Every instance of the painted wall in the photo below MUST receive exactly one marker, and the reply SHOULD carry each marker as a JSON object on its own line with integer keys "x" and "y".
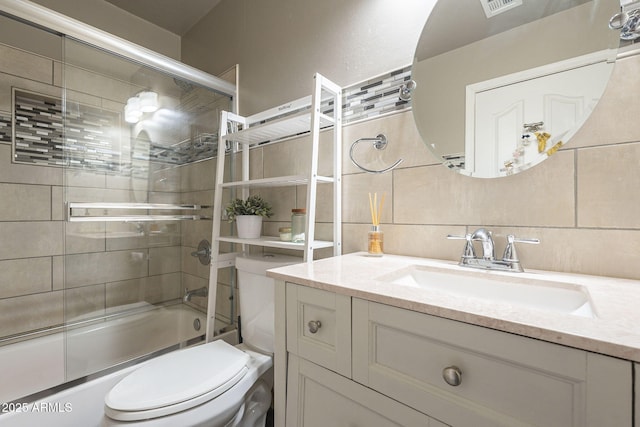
{"x": 107, "y": 17}
{"x": 582, "y": 203}
{"x": 280, "y": 44}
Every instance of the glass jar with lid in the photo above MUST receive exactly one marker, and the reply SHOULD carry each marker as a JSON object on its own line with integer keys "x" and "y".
{"x": 298, "y": 224}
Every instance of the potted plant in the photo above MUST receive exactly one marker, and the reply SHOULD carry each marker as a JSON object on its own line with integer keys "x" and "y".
{"x": 248, "y": 215}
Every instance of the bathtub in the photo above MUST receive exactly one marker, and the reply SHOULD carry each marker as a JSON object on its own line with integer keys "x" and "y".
{"x": 37, "y": 364}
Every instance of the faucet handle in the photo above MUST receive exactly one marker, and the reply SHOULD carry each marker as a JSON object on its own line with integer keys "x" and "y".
{"x": 469, "y": 251}
{"x": 510, "y": 253}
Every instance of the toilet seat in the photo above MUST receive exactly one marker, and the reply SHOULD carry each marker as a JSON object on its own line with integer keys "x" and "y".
{"x": 176, "y": 382}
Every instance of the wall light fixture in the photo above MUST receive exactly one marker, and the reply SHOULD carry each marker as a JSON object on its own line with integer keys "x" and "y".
{"x": 143, "y": 102}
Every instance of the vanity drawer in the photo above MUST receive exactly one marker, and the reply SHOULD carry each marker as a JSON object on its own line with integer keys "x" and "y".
{"x": 324, "y": 398}
{"x": 319, "y": 327}
{"x": 505, "y": 379}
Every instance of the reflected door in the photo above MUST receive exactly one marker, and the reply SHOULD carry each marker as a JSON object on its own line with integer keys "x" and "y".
{"x": 500, "y": 114}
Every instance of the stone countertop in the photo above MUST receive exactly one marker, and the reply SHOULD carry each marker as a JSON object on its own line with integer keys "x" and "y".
{"x": 613, "y": 331}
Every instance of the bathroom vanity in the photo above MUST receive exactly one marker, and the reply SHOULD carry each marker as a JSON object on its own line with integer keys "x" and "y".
{"x": 360, "y": 344}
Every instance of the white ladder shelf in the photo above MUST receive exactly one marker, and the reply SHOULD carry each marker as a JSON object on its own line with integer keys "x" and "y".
{"x": 306, "y": 116}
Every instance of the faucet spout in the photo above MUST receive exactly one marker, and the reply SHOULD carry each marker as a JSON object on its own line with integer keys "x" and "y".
{"x": 484, "y": 237}
{"x": 200, "y": 292}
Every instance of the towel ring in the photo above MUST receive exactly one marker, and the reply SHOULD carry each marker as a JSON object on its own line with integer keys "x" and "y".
{"x": 379, "y": 143}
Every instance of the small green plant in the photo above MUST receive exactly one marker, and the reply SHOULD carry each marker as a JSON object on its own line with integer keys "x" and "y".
{"x": 254, "y": 205}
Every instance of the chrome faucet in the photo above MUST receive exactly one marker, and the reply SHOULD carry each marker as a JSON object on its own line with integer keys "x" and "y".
{"x": 200, "y": 292}
{"x": 486, "y": 239}
{"x": 509, "y": 261}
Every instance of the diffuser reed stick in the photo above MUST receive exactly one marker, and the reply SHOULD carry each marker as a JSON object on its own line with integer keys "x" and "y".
{"x": 375, "y": 236}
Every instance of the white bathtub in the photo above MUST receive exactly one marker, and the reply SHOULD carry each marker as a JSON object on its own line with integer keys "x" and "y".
{"x": 38, "y": 364}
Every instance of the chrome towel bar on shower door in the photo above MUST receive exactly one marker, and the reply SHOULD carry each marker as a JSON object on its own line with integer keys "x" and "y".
{"x": 379, "y": 143}
{"x": 80, "y": 212}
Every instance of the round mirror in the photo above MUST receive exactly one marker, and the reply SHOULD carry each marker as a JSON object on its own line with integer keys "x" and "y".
{"x": 502, "y": 85}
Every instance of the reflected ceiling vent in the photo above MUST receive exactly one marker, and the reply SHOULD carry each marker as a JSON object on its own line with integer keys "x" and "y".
{"x": 495, "y": 7}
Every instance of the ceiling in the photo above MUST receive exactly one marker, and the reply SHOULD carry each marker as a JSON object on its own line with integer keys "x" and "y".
{"x": 177, "y": 16}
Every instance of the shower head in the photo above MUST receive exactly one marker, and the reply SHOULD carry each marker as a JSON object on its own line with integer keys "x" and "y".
{"x": 184, "y": 85}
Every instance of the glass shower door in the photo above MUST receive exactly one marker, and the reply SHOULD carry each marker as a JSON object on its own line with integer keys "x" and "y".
{"x": 138, "y": 189}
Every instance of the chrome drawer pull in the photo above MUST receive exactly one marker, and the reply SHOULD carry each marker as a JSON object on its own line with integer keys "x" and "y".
{"x": 314, "y": 325}
{"x": 452, "y": 376}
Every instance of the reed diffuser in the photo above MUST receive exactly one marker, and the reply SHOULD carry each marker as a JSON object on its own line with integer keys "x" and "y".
{"x": 375, "y": 236}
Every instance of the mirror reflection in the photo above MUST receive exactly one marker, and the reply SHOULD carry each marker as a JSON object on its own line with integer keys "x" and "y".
{"x": 501, "y": 86}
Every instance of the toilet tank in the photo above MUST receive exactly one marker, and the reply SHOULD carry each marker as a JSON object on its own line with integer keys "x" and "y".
{"x": 257, "y": 297}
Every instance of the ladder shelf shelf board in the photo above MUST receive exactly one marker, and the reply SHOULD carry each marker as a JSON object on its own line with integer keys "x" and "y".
{"x": 275, "y": 242}
{"x": 280, "y": 181}
{"x": 305, "y": 116}
{"x": 289, "y": 126}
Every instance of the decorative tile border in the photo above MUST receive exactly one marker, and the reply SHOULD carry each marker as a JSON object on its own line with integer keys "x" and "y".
{"x": 87, "y": 141}
{"x": 5, "y": 127}
{"x": 374, "y": 97}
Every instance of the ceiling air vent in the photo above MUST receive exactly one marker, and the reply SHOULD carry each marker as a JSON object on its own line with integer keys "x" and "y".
{"x": 494, "y": 7}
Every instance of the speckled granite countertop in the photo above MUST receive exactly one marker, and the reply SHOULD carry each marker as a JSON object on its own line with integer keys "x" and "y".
{"x": 614, "y": 330}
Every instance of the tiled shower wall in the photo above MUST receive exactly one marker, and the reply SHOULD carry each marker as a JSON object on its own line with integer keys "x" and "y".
{"x": 582, "y": 203}
{"x": 38, "y": 289}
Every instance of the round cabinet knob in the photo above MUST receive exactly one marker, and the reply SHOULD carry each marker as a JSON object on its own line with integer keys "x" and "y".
{"x": 452, "y": 375}
{"x": 314, "y": 325}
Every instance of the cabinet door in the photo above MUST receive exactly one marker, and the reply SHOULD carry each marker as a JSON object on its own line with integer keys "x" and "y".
{"x": 637, "y": 394}
{"x": 319, "y": 327}
{"x": 321, "y": 398}
{"x": 504, "y": 379}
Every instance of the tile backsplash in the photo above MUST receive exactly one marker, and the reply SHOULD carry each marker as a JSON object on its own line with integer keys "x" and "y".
{"x": 581, "y": 203}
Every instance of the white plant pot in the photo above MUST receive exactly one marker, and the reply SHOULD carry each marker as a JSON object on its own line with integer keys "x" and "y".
{"x": 249, "y": 226}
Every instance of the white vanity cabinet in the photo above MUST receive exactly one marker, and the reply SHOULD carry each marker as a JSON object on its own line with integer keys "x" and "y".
{"x": 467, "y": 375}
{"x": 319, "y": 389}
{"x": 408, "y": 368}
{"x": 636, "y": 403}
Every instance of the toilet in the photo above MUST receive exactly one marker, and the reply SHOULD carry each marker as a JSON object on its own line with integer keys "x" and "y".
{"x": 214, "y": 384}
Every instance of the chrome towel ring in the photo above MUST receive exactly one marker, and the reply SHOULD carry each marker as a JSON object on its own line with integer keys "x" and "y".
{"x": 379, "y": 143}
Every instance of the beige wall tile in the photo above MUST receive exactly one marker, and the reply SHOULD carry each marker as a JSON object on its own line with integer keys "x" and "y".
{"x": 154, "y": 290}
{"x": 198, "y": 176}
{"x": 282, "y": 200}
{"x": 619, "y": 105}
{"x": 164, "y": 260}
{"x": 102, "y": 267}
{"x": 26, "y": 313}
{"x": 84, "y": 237}
{"x": 608, "y": 182}
{"x": 98, "y": 85}
{"x": 57, "y": 272}
{"x": 25, "y": 276}
{"x": 25, "y": 202}
{"x": 194, "y": 231}
{"x": 84, "y": 302}
{"x": 26, "y": 174}
{"x": 540, "y": 196}
{"x": 355, "y": 196}
{"x": 403, "y": 142}
{"x": 126, "y": 235}
{"x": 57, "y": 204}
{"x": 25, "y": 65}
{"x": 583, "y": 251}
{"x": 291, "y": 157}
{"x": 30, "y": 239}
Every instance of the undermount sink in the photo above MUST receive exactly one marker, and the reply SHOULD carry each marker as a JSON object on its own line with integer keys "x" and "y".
{"x": 534, "y": 293}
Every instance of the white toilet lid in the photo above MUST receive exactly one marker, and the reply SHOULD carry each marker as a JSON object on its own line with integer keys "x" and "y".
{"x": 181, "y": 379}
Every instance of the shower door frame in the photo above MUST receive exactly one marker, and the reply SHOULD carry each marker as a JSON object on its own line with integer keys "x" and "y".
{"x": 48, "y": 19}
